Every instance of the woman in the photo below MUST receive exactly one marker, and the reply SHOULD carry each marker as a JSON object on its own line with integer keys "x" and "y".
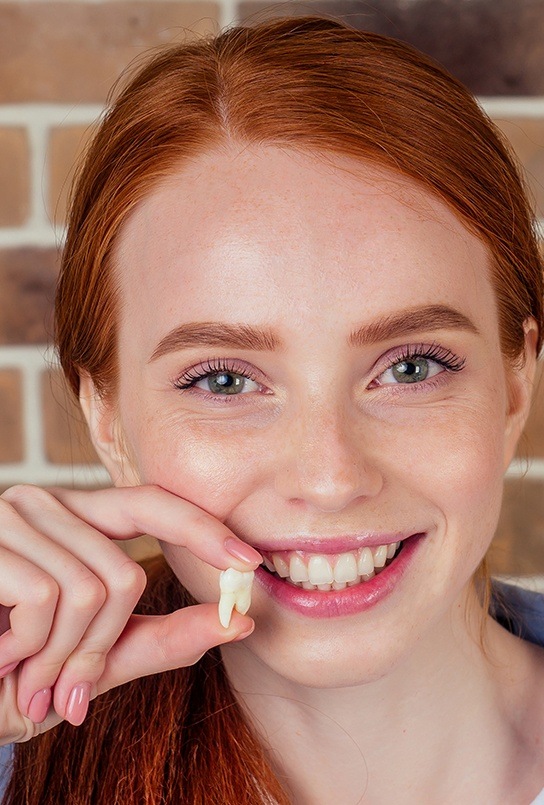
{"x": 301, "y": 304}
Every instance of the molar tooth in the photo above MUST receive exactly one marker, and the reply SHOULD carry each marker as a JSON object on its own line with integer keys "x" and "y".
{"x": 365, "y": 565}
{"x": 345, "y": 568}
{"x": 380, "y": 555}
{"x": 235, "y": 587}
{"x": 319, "y": 570}
{"x": 226, "y": 605}
{"x": 280, "y": 565}
{"x": 297, "y": 569}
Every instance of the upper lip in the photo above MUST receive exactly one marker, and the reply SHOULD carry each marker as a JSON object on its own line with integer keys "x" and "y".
{"x": 339, "y": 543}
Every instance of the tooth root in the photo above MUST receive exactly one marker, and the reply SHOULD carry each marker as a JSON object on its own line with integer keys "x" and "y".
{"x": 280, "y": 565}
{"x": 320, "y": 570}
{"x": 345, "y": 568}
{"x": 298, "y": 570}
{"x": 226, "y": 605}
{"x": 380, "y": 555}
{"x": 243, "y": 601}
{"x": 365, "y": 565}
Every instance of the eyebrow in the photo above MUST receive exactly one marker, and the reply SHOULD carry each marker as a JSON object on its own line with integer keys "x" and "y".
{"x": 245, "y": 336}
{"x": 431, "y": 317}
{"x": 217, "y": 334}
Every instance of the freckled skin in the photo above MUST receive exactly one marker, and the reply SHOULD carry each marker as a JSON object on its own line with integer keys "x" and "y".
{"x": 273, "y": 239}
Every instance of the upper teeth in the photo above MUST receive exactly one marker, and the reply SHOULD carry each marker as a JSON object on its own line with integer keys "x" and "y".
{"x": 322, "y": 569}
{"x": 235, "y": 587}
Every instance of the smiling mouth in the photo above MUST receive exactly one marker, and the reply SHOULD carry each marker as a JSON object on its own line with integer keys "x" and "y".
{"x": 325, "y": 572}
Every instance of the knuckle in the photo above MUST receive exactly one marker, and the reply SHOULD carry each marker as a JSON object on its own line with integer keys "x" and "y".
{"x": 89, "y": 594}
{"x": 44, "y": 591}
{"x": 92, "y": 659}
{"x": 130, "y": 580}
{"x": 27, "y": 494}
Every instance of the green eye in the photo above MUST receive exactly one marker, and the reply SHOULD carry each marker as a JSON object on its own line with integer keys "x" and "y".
{"x": 226, "y": 383}
{"x": 412, "y": 371}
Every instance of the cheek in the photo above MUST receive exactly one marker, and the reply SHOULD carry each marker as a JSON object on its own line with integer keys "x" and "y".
{"x": 205, "y": 464}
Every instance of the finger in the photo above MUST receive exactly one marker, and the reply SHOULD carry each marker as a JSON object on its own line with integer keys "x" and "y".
{"x": 128, "y": 512}
{"x": 153, "y": 644}
{"x": 32, "y": 595}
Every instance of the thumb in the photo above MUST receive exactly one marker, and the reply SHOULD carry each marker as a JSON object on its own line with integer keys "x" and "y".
{"x": 151, "y": 644}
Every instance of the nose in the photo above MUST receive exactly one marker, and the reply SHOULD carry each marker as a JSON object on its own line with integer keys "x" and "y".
{"x": 325, "y": 461}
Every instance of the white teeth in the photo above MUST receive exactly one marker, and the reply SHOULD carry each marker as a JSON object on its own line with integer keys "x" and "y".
{"x": 380, "y": 555}
{"x": 345, "y": 568}
{"x": 235, "y": 587}
{"x": 298, "y": 570}
{"x": 391, "y": 549}
{"x": 319, "y": 570}
{"x": 281, "y": 566}
{"x": 268, "y": 564}
{"x": 365, "y": 564}
{"x": 341, "y": 585}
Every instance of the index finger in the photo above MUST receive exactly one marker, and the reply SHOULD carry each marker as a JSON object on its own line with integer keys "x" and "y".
{"x": 127, "y": 512}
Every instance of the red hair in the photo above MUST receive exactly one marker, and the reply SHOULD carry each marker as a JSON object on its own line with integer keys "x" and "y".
{"x": 308, "y": 84}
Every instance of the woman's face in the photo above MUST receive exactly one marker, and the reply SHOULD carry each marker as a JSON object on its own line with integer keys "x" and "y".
{"x": 311, "y": 354}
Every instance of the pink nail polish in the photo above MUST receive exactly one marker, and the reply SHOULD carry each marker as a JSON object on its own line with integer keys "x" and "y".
{"x": 243, "y": 551}
{"x": 39, "y": 705}
{"x": 7, "y": 669}
{"x": 78, "y": 703}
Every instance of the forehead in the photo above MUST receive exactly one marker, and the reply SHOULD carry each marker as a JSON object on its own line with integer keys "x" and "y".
{"x": 271, "y": 233}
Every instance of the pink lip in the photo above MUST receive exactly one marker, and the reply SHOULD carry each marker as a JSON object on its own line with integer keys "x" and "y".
{"x": 338, "y": 603}
{"x": 325, "y": 545}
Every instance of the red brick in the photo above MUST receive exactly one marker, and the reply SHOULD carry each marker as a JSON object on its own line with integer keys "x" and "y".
{"x": 531, "y": 444}
{"x": 11, "y": 425}
{"x": 73, "y": 52}
{"x": 65, "y": 147}
{"x": 518, "y": 548}
{"x": 526, "y": 136}
{"x": 27, "y": 283}
{"x": 14, "y": 177}
{"x": 66, "y": 437}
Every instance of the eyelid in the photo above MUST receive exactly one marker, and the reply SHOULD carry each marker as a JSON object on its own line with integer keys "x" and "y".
{"x": 430, "y": 351}
{"x": 211, "y": 366}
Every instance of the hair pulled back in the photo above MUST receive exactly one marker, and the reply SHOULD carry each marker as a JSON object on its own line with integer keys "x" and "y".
{"x": 309, "y": 84}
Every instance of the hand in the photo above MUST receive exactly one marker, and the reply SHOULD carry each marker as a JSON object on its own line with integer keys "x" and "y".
{"x": 67, "y": 593}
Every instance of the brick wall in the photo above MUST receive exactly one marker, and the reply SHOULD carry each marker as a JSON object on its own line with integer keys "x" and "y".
{"x": 57, "y": 63}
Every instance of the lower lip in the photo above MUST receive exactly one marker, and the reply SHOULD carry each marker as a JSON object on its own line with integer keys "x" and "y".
{"x": 350, "y": 600}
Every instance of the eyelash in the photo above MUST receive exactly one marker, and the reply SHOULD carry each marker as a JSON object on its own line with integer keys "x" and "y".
{"x": 433, "y": 352}
{"x": 444, "y": 357}
{"x": 214, "y": 367}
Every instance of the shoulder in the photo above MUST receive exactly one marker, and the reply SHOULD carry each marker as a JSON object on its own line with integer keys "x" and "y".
{"x": 519, "y": 609}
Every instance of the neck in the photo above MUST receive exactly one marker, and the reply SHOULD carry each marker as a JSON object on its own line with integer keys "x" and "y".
{"x": 422, "y": 730}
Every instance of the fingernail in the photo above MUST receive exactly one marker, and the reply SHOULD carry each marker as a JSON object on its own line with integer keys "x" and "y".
{"x": 244, "y": 634}
{"x": 243, "y": 551}
{"x": 7, "y": 669}
{"x": 39, "y": 705}
{"x": 78, "y": 703}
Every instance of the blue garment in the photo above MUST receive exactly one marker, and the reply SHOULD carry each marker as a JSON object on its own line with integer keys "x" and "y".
{"x": 518, "y": 610}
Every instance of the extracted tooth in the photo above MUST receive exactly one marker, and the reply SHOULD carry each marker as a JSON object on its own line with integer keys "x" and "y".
{"x": 235, "y": 587}
{"x": 298, "y": 570}
{"x": 380, "y": 555}
{"x": 365, "y": 565}
{"x": 320, "y": 570}
{"x": 281, "y": 566}
{"x": 345, "y": 568}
